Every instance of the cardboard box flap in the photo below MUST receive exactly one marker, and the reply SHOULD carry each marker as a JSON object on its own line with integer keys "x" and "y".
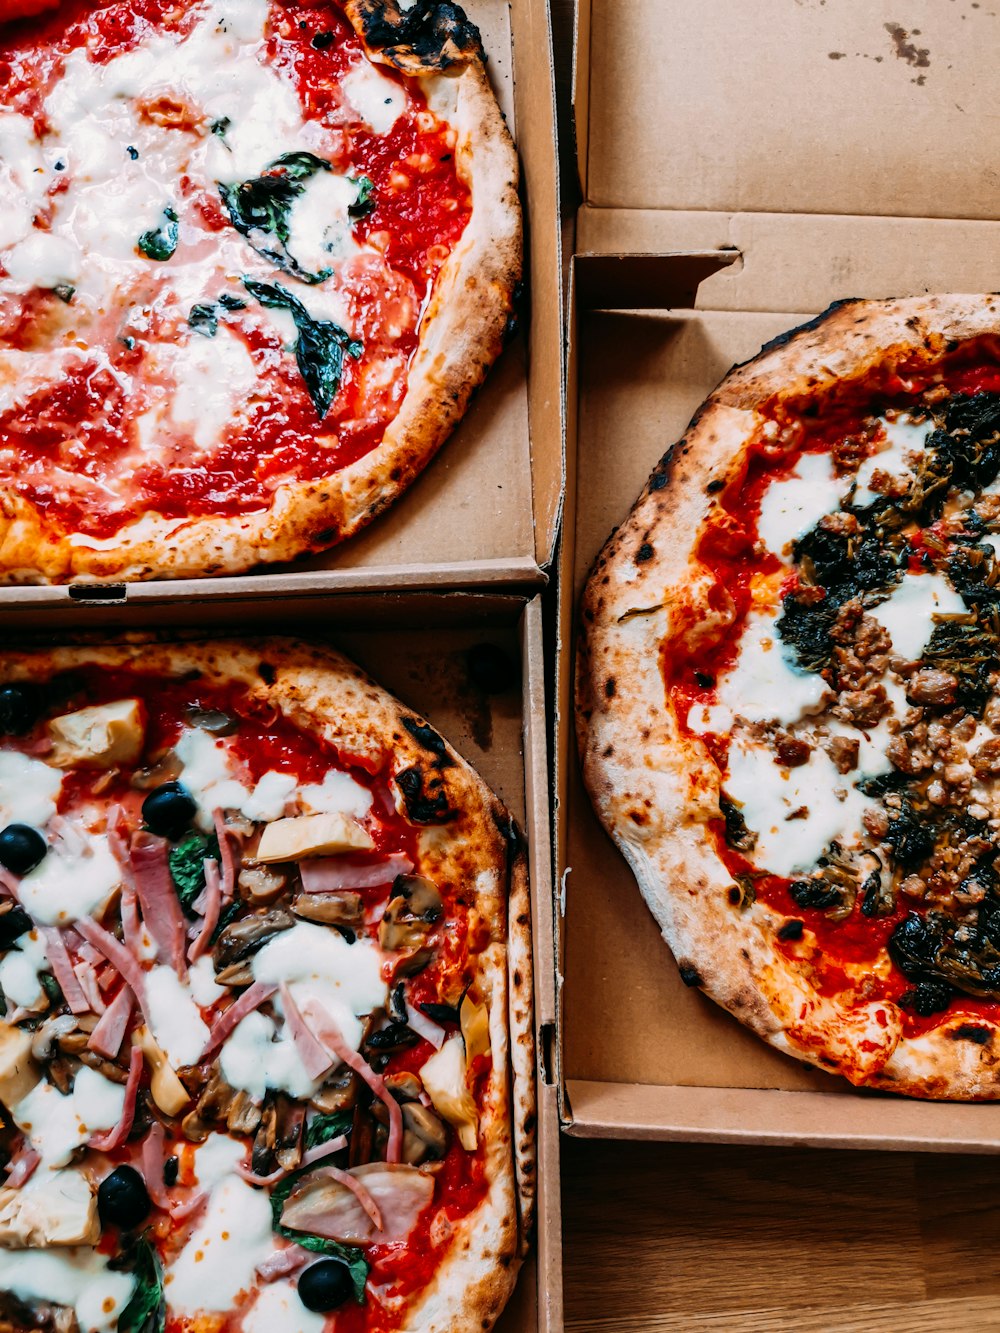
{"x": 645, "y": 281}
{"x": 797, "y": 106}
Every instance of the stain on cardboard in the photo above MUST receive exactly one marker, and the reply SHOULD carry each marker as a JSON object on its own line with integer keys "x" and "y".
{"x": 837, "y": 55}
{"x": 916, "y": 56}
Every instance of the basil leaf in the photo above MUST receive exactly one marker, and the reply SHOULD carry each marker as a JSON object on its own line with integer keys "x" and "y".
{"x": 220, "y": 126}
{"x": 327, "y": 1127}
{"x": 319, "y": 348}
{"x": 260, "y": 207}
{"x": 187, "y": 865}
{"x": 204, "y": 319}
{"x": 146, "y": 1311}
{"x": 364, "y": 203}
{"x": 51, "y": 988}
{"x": 161, "y": 242}
{"x": 350, "y": 1255}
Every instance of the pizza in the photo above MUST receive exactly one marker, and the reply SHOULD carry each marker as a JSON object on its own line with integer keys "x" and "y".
{"x": 789, "y": 694}
{"x": 257, "y": 256}
{"x": 266, "y": 1049}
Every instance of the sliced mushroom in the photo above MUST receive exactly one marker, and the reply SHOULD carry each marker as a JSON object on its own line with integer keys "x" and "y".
{"x": 167, "y": 768}
{"x": 405, "y": 1087}
{"x": 213, "y": 1104}
{"x": 169, "y": 1093}
{"x": 332, "y": 909}
{"x": 362, "y": 1141}
{"x": 425, "y": 1137}
{"x": 43, "y": 1039}
{"x": 240, "y": 940}
{"x": 291, "y": 1117}
{"x": 237, "y": 974}
{"x": 60, "y": 1073}
{"x": 265, "y": 1140}
{"x": 338, "y": 1093}
{"x": 244, "y": 1115}
{"x": 413, "y": 911}
{"x": 416, "y": 962}
{"x": 261, "y": 886}
{"x": 194, "y": 1128}
{"x": 114, "y": 1073}
{"x": 212, "y": 720}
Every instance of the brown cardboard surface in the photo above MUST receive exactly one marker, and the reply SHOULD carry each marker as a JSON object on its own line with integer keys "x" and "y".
{"x": 416, "y": 647}
{"x": 858, "y": 106}
{"x": 485, "y": 512}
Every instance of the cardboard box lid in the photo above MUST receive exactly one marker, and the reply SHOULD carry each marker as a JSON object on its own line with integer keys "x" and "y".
{"x": 485, "y": 512}
{"x": 797, "y": 106}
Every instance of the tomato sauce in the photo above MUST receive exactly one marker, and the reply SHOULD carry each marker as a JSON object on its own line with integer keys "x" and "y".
{"x": 726, "y": 547}
{"x": 84, "y": 423}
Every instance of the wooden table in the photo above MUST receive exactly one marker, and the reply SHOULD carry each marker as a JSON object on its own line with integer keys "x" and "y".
{"x": 710, "y": 1239}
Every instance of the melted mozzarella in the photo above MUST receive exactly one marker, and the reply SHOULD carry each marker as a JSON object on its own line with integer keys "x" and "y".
{"x": 28, "y": 789}
{"x": 259, "y": 1056}
{"x": 795, "y": 812}
{"x": 207, "y": 775}
{"x": 764, "y": 685}
{"x": 216, "y": 1158}
{"x": 277, "y": 1306}
{"x": 376, "y": 98}
{"x": 268, "y": 799}
{"x": 201, "y": 979}
{"x": 909, "y": 612}
{"x": 75, "y": 1276}
{"x": 21, "y": 967}
{"x": 73, "y": 880}
{"x": 319, "y": 225}
{"x": 56, "y": 1125}
{"x": 337, "y": 794}
{"x": 792, "y": 507}
{"x": 23, "y": 177}
{"x": 220, "y": 1257}
{"x": 903, "y": 439}
{"x": 44, "y": 260}
{"x": 177, "y": 1025}
{"x": 213, "y": 379}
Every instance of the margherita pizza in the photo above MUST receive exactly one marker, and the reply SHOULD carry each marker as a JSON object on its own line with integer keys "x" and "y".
{"x": 255, "y": 257}
{"x": 789, "y": 694}
{"x": 261, "y": 1066}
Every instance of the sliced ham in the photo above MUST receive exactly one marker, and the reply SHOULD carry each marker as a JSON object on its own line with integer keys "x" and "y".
{"x": 231, "y": 851}
{"x": 212, "y": 908}
{"x": 152, "y": 1166}
{"x": 316, "y": 1059}
{"x": 131, "y": 928}
{"x": 9, "y": 882}
{"x": 87, "y": 977}
{"x": 377, "y": 1202}
{"x": 324, "y": 1027}
{"x": 252, "y": 998}
{"x": 21, "y": 1166}
{"x": 116, "y": 954}
{"x": 425, "y": 1027}
{"x": 323, "y": 1150}
{"x": 62, "y": 970}
{"x": 327, "y": 874}
{"x": 282, "y": 1263}
{"x": 250, "y": 1176}
{"x": 114, "y": 1138}
{"x": 161, "y": 909}
{"x": 106, "y": 1039}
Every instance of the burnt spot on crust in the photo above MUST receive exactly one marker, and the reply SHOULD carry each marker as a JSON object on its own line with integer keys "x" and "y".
{"x": 784, "y": 338}
{"x": 715, "y": 486}
{"x": 791, "y": 930}
{"x": 644, "y": 553}
{"x": 267, "y": 673}
{"x": 430, "y": 740}
{"x": 971, "y": 1032}
{"x": 430, "y": 36}
{"x": 424, "y": 796}
{"x": 609, "y": 687}
{"x": 689, "y": 975}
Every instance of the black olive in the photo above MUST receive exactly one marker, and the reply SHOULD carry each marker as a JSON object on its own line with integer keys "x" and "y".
{"x": 19, "y": 708}
{"x": 325, "y": 1286}
{"x": 490, "y": 669}
{"x": 168, "y": 810}
{"x": 13, "y": 924}
{"x": 21, "y": 848}
{"x": 122, "y": 1200}
{"x": 170, "y": 1169}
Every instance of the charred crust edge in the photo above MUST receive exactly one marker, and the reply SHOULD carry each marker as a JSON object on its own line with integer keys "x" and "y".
{"x": 432, "y": 36}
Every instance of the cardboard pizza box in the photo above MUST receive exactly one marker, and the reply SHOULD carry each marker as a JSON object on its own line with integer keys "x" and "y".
{"x": 740, "y": 170}
{"x": 416, "y": 645}
{"x": 485, "y": 511}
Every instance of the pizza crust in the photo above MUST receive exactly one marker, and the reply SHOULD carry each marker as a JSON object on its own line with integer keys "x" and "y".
{"x": 654, "y": 788}
{"x": 461, "y": 334}
{"x": 322, "y": 692}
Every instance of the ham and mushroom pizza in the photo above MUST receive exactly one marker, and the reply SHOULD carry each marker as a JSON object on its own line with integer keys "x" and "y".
{"x": 266, "y": 1050}
{"x": 256, "y": 257}
{"x": 789, "y": 694}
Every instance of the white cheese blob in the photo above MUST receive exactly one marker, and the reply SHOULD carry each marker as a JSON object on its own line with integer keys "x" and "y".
{"x": 214, "y": 378}
{"x": 75, "y": 1276}
{"x": 268, "y": 799}
{"x": 219, "y": 1259}
{"x": 23, "y": 177}
{"x": 21, "y": 967}
{"x": 216, "y": 1158}
{"x": 277, "y": 1306}
{"x": 793, "y": 506}
{"x": 258, "y": 1055}
{"x": 376, "y": 98}
{"x": 909, "y": 612}
{"x": 201, "y": 979}
{"x": 903, "y": 438}
{"x": 765, "y": 685}
{"x": 207, "y": 775}
{"x": 337, "y": 794}
{"x": 55, "y": 1125}
{"x": 43, "y": 260}
{"x": 73, "y": 880}
{"x": 319, "y": 223}
{"x": 177, "y": 1025}
{"x": 28, "y": 789}
{"x": 768, "y": 794}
